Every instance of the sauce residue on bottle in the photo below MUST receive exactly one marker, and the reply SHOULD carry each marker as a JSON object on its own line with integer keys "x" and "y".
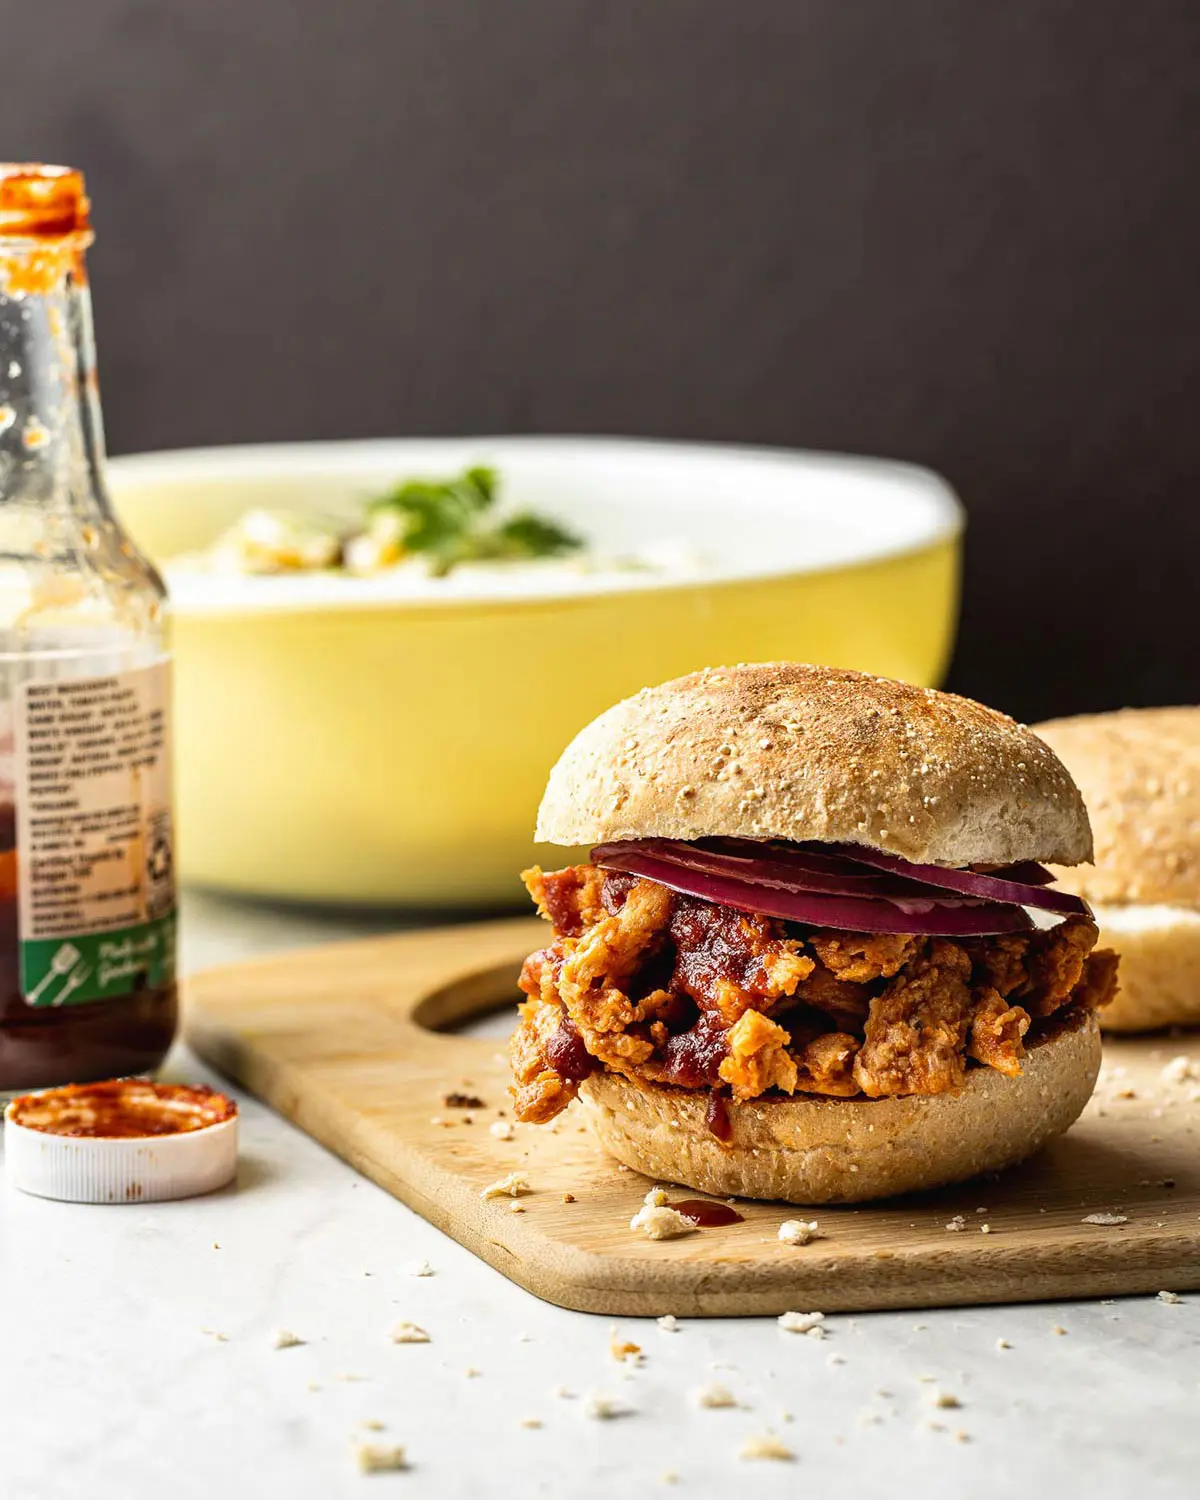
{"x": 49, "y": 205}
{"x": 122, "y": 1108}
{"x": 706, "y": 1215}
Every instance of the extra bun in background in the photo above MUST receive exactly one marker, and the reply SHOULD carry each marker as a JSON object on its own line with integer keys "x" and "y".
{"x": 1139, "y": 771}
{"x": 785, "y": 750}
{"x": 813, "y": 1149}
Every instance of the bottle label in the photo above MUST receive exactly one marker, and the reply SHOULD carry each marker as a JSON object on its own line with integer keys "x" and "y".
{"x": 95, "y": 847}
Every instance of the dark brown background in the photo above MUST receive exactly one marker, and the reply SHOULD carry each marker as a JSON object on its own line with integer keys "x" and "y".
{"x": 956, "y": 231}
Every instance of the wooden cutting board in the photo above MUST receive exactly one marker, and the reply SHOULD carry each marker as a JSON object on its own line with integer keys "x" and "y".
{"x": 344, "y": 1041}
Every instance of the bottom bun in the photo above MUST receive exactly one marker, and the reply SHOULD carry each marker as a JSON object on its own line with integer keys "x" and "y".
{"x": 809, "y": 1149}
{"x": 1160, "y": 966}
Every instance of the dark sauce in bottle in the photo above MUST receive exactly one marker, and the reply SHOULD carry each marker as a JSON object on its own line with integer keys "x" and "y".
{"x": 87, "y": 883}
{"x": 45, "y": 1045}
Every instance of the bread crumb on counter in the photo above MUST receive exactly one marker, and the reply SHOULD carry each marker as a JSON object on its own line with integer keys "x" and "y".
{"x": 378, "y": 1458}
{"x": 669, "y": 1323}
{"x": 714, "y": 1395}
{"x": 1170, "y": 1297}
{"x": 660, "y": 1223}
{"x": 409, "y": 1333}
{"x": 624, "y": 1350}
{"x": 515, "y": 1185}
{"x": 797, "y": 1232}
{"x": 418, "y": 1268}
{"x": 766, "y": 1445}
{"x": 502, "y": 1130}
{"x": 286, "y": 1339}
{"x": 601, "y": 1408}
{"x": 811, "y": 1323}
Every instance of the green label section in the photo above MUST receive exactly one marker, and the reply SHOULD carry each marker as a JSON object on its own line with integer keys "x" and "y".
{"x": 98, "y": 965}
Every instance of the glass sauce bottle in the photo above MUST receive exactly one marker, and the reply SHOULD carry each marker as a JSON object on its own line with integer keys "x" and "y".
{"x": 87, "y": 893}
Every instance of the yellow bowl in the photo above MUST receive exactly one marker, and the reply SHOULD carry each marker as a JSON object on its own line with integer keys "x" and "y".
{"x": 358, "y": 751}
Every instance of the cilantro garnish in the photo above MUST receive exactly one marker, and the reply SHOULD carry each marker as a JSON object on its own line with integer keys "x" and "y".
{"x": 450, "y": 522}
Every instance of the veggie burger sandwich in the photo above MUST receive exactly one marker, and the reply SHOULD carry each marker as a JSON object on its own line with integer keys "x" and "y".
{"x": 814, "y": 954}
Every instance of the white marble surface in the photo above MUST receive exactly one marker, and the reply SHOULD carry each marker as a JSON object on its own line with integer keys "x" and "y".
{"x": 110, "y": 1385}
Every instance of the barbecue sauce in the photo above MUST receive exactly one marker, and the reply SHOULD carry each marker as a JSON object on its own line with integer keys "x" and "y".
{"x": 42, "y": 1046}
{"x": 706, "y": 1215}
{"x": 87, "y": 889}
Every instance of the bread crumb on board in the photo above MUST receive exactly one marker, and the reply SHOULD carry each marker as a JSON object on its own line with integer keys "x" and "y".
{"x": 515, "y": 1185}
{"x": 797, "y": 1231}
{"x": 1181, "y": 1069}
{"x": 456, "y": 1099}
{"x": 660, "y": 1223}
{"x": 1105, "y": 1219}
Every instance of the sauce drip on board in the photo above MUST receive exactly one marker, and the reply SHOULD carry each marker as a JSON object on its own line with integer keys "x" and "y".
{"x": 706, "y": 1215}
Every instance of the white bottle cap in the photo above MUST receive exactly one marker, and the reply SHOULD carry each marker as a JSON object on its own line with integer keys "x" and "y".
{"x": 55, "y": 1143}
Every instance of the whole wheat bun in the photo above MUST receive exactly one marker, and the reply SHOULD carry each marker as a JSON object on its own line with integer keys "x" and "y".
{"x": 1139, "y": 771}
{"x": 789, "y": 751}
{"x": 808, "y": 1149}
{"x": 1160, "y": 966}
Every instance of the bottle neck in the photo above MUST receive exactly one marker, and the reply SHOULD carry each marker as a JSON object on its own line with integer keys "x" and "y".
{"x": 51, "y": 429}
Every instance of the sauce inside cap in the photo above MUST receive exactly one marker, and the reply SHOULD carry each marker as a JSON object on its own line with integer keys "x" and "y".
{"x": 121, "y": 1108}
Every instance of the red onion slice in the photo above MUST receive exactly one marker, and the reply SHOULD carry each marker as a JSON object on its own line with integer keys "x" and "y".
{"x": 968, "y": 882}
{"x": 933, "y": 917}
{"x": 788, "y": 874}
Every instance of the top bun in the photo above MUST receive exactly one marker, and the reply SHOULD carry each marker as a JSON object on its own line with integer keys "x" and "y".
{"x": 788, "y": 751}
{"x": 1140, "y": 772}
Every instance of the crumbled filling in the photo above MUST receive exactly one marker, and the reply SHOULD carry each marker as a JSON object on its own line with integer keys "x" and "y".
{"x": 670, "y": 989}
